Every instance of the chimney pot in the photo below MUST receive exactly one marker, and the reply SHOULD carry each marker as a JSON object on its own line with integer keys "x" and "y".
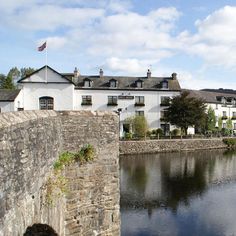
{"x": 149, "y": 73}
{"x": 101, "y": 73}
{"x": 76, "y": 73}
{"x": 174, "y": 76}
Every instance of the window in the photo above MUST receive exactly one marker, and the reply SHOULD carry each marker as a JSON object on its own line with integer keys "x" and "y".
{"x": 46, "y": 103}
{"x": 139, "y": 83}
{"x": 224, "y": 113}
{"x": 139, "y": 101}
{"x": 224, "y": 125}
{"x": 163, "y": 115}
{"x": 86, "y": 100}
{"x": 234, "y": 125}
{"x": 112, "y": 101}
{"x": 20, "y": 109}
{"x": 165, "y": 101}
{"x": 216, "y": 106}
{"x": 164, "y": 84}
{"x": 139, "y": 113}
{"x": 234, "y": 114}
{"x": 113, "y": 83}
{"x": 87, "y": 83}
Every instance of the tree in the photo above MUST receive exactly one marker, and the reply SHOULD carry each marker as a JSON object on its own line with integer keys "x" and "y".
{"x": 229, "y": 124}
{"x": 2, "y": 79}
{"x": 138, "y": 125}
{"x": 211, "y": 119}
{"x": 185, "y": 111}
{"x": 8, "y": 83}
{"x": 220, "y": 122}
{"x": 26, "y": 71}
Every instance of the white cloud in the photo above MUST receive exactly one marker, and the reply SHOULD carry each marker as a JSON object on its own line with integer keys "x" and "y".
{"x": 49, "y": 18}
{"x": 215, "y": 40}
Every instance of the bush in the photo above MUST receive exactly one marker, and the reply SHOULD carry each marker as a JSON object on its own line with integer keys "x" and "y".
{"x": 128, "y": 136}
{"x": 225, "y": 132}
{"x": 176, "y": 132}
{"x": 159, "y": 131}
{"x": 230, "y": 142}
{"x": 140, "y": 126}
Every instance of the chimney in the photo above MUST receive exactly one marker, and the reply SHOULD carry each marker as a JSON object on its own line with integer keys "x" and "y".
{"x": 101, "y": 73}
{"x": 76, "y": 73}
{"x": 149, "y": 74}
{"x": 174, "y": 76}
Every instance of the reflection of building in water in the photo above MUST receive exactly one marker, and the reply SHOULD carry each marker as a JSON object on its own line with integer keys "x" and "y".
{"x": 174, "y": 177}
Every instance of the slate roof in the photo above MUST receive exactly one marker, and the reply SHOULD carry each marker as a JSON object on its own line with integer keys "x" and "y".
{"x": 210, "y": 97}
{"x": 8, "y": 95}
{"x": 124, "y": 82}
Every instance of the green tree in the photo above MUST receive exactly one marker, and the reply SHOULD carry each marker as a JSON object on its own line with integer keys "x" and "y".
{"x": 220, "y": 122}
{"x": 14, "y": 73}
{"x": 211, "y": 119}
{"x": 185, "y": 111}
{"x": 140, "y": 126}
{"x": 229, "y": 124}
{"x": 2, "y": 79}
{"x": 8, "y": 83}
{"x": 26, "y": 71}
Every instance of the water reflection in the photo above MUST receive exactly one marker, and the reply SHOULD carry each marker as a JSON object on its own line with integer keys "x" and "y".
{"x": 178, "y": 193}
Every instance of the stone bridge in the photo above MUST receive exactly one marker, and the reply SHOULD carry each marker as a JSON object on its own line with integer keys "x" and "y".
{"x": 30, "y": 143}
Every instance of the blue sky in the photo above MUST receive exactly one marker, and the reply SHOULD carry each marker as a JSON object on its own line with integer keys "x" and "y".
{"x": 195, "y": 39}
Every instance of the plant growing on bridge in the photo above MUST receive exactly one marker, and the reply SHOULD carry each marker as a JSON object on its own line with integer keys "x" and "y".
{"x": 85, "y": 154}
{"x": 56, "y": 185}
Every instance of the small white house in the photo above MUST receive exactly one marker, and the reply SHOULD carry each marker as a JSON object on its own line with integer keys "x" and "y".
{"x": 128, "y": 96}
{"x": 10, "y": 100}
{"x": 223, "y": 103}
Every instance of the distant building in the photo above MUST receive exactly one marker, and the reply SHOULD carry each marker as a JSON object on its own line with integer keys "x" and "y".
{"x": 10, "y": 100}
{"x": 223, "y": 103}
{"x": 145, "y": 96}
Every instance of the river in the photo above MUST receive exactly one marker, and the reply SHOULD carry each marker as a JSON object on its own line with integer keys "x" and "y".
{"x": 178, "y": 194}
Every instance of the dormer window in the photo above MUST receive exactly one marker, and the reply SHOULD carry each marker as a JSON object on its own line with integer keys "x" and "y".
{"x": 87, "y": 83}
{"x": 164, "y": 84}
{"x": 113, "y": 83}
{"x": 139, "y": 83}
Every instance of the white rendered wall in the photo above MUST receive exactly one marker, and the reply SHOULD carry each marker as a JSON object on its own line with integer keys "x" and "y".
{"x": 12, "y": 106}
{"x": 62, "y": 94}
{"x": 7, "y": 106}
{"x": 151, "y": 109}
{"x": 219, "y": 108}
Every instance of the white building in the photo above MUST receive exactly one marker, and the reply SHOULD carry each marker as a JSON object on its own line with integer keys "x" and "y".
{"x": 223, "y": 102}
{"x": 10, "y": 100}
{"x": 129, "y": 96}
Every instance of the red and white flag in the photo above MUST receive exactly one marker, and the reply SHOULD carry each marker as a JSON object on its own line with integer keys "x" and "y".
{"x": 42, "y": 47}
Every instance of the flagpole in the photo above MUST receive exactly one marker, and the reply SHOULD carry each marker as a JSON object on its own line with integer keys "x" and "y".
{"x": 46, "y": 62}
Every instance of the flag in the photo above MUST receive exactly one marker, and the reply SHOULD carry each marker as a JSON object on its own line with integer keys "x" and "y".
{"x": 42, "y": 47}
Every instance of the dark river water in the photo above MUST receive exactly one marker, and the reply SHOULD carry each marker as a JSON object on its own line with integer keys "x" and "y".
{"x": 179, "y": 194}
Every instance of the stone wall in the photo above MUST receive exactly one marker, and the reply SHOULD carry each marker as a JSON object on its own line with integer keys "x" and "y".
{"x": 30, "y": 142}
{"x": 93, "y": 199}
{"x": 153, "y": 146}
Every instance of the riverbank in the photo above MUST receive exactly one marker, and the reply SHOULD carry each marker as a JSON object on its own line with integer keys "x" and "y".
{"x": 173, "y": 145}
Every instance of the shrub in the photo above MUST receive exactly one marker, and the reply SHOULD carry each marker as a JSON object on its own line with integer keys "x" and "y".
{"x": 159, "y": 131}
{"x": 176, "y": 132}
{"x": 230, "y": 142}
{"x": 128, "y": 136}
